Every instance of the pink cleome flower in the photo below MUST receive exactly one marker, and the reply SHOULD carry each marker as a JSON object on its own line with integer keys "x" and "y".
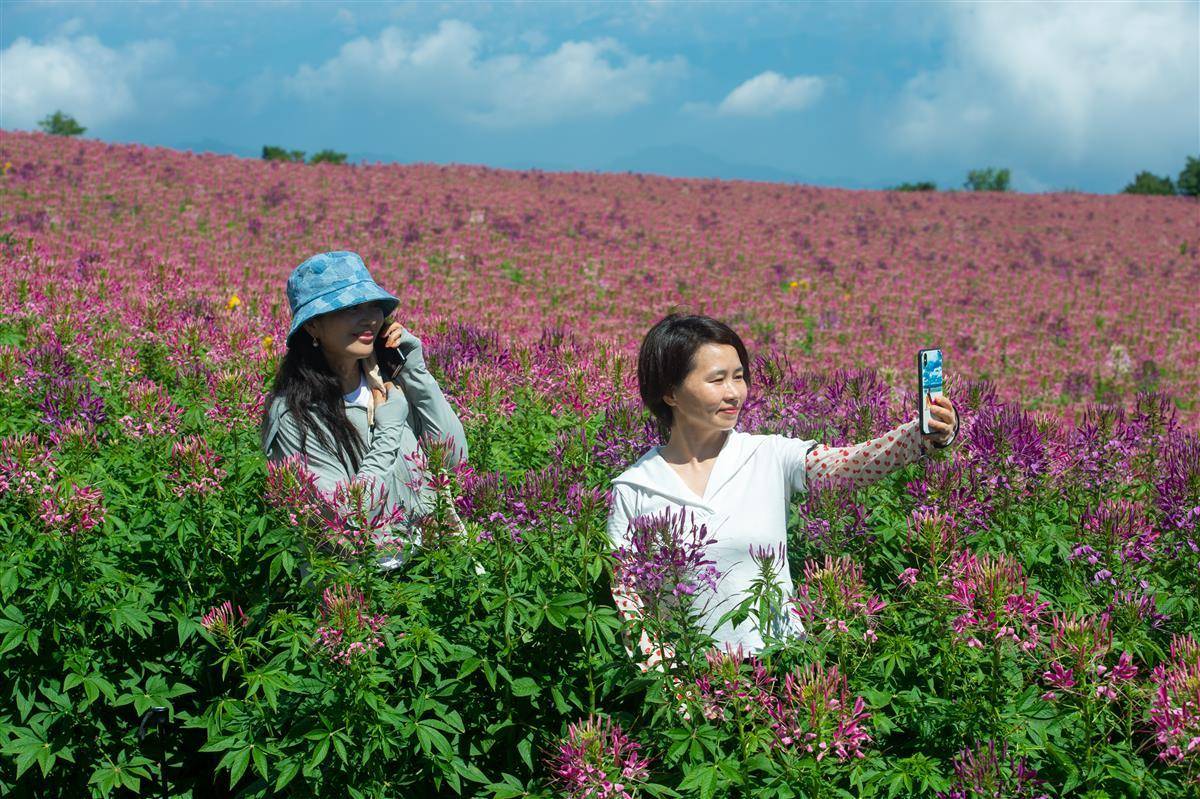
{"x": 223, "y": 621}
{"x": 72, "y": 511}
{"x": 1175, "y": 705}
{"x": 349, "y": 630}
{"x": 597, "y": 760}
{"x": 834, "y": 594}
{"x": 196, "y": 470}
{"x": 997, "y": 605}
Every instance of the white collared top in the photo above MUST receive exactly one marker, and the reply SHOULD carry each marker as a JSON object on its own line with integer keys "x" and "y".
{"x": 745, "y": 505}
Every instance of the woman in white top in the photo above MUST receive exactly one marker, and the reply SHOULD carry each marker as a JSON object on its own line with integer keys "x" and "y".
{"x": 694, "y": 377}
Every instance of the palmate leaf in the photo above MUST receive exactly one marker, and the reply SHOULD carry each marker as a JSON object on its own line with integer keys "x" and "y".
{"x": 509, "y": 787}
{"x": 13, "y": 628}
{"x": 121, "y": 774}
{"x": 155, "y": 693}
{"x": 31, "y": 745}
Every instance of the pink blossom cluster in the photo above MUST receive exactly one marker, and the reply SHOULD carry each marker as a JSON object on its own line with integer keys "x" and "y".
{"x": 810, "y": 711}
{"x": 27, "y": 467}
{"x": 951, "y": 489}
{"x": 73, "y": 511}
{"x": 152, "y": 412}
{"x": 996, "y": 602}
{"x": 985, "y": 772}
{"x": 348, "y": 629}
{"x": 733, "y": 684}
{"x": 360, "y": 517}
{"x": 664, "y": 559}
{"x": 235, "y": 393}
{"x": 815, "y": 713}
{"x": 350, "y": 519}
{"x": 597, "y": 760}
{"x": 223, "y": 621}
{"x": 833, "y": 595}
{"x": 196, "y": 470}
{"x": 934, "y": 534}
{"x": 292, "y": 488}
{"x": 437, "y": 482}
{"x": 1175, "y": 705}
{"x": 1078, "y": 650}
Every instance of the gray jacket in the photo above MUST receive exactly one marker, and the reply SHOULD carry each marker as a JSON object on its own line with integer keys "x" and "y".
{"x": 416, "y": 409}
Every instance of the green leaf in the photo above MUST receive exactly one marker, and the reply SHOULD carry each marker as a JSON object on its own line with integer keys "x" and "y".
{"x": 288, "y": 770}
{"x": 260, "y": 761}
{"x": 471, "y": 772}
{"x": 524, "y": 686}
{"x": 430, "y": 738}
{"x": 236, "y": 760}
{"x": 525, "y": 749}
{"x": 319, "y": 753}
{"x": 560, "y": 704}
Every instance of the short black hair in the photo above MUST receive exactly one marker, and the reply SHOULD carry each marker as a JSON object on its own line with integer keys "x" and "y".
{"x": 666, "y": 356}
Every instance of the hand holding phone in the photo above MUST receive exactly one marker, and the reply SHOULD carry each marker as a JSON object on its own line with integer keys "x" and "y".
{"x": 390, "y": 358}
{"x": 929, "y": 384}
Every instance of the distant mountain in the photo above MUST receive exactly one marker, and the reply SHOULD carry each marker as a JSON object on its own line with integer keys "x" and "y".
{"x": 220, "y": 148}
{"x": 683, "y": 161}
{"x": 677, "y": 161}
{"x": 225, "y": 148}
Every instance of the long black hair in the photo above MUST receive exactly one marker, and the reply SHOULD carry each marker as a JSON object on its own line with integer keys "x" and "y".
{"x": 666, "y": 356}
{"x": 313, "y": 395}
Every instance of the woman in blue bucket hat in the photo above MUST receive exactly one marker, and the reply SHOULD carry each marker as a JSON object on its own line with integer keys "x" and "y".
{"x": 353, "y": 395}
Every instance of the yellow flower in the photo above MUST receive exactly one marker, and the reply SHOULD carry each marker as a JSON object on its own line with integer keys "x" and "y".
{"x": 234, "y": 302}
{"x": 267, "y": 342}
{"x": 7, "y": 166}
{"x": 793, "y": 284}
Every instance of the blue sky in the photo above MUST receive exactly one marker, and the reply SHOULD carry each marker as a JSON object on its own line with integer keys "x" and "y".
{"x": 861, "y": 95}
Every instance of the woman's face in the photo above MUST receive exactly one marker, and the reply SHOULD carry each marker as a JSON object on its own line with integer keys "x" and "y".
{"x": 349, "y": 332}
{"x": 711, "y": 396}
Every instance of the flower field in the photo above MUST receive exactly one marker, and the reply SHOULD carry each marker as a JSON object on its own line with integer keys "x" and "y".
{"x": 1016, "y": 617}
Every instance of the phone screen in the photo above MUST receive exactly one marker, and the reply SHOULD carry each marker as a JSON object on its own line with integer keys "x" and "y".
{"x": 929, "y": 367}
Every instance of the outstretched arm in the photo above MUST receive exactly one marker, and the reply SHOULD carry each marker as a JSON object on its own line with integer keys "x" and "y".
{"x": 864, "y": 463}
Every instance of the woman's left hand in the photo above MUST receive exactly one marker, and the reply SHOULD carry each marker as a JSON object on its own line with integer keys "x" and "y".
{"x": 402, "y": 339}
{"x": 944, "y": 420}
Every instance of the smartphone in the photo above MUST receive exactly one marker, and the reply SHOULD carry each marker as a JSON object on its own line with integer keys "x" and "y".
{"x": 389, "y": 357}
{"x": 929, "y": 384}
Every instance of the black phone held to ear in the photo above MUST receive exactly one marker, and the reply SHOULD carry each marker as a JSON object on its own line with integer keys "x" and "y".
{"x": 390, "y": 359}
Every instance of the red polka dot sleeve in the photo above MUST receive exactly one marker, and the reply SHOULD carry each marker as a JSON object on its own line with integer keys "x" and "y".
{"x": 653, "y": 653}
{"x": 862, "y": 464}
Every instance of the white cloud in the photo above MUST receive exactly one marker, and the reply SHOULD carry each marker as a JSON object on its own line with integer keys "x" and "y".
{"x": 96, "y": 84}
{"x": 770, "y": 93}
{"x": 1070, "y": 79}
{"x": 449, "y": 69}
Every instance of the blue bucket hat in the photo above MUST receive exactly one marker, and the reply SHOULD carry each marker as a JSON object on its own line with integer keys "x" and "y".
{"x": 329, "y": 282}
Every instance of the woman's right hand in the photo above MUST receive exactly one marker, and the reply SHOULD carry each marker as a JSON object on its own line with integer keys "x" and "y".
{"x": 392, "y": 411}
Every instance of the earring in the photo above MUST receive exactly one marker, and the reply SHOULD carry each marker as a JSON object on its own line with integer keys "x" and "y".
{"x": 315, "y": 342}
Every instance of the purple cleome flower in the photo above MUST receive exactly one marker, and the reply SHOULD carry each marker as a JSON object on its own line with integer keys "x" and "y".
{"x": 664, "y": 559}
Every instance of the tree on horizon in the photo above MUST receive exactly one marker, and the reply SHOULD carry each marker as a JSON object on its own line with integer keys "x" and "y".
{"x": 60, "y": 124}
